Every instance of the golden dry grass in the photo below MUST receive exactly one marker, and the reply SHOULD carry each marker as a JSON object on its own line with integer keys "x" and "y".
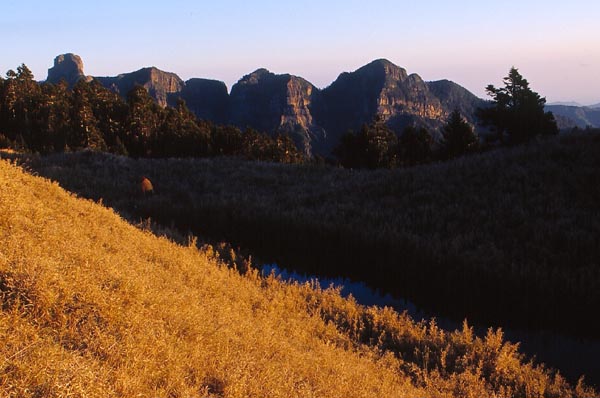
{"x": 94, "y": 307}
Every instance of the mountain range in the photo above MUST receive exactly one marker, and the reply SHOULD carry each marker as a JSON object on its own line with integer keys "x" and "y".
{"x": 568, "y": 116}
{"x": 315, "y": 118}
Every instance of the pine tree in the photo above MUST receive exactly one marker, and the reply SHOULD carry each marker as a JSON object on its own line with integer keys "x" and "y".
{"x": 57, "y": 100}
{"x": 381, "y": 144}
{"x": 287, "y": 151}
{"x": 84, "y": 125}
{"x": 415, "y": 146}
{"x": 21, "y": 101}
{"x": 226, "y": 141}
{"x": 516, "y": 112}
{"x": 110, "y": 112}
{"x": 143, "y": 122}
{"x": 374, "y": 146}
{"x": 180, "y": 134}
{"x": 458, "y": 137}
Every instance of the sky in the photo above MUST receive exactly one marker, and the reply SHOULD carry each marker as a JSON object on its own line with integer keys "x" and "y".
{"x": 554, "y": 44}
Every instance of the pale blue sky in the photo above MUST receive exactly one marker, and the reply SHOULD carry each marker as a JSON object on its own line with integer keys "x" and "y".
{"x": 555, "y": 44}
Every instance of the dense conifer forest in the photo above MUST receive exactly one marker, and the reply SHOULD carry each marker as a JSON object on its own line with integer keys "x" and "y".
{"x": 48, "y": 118}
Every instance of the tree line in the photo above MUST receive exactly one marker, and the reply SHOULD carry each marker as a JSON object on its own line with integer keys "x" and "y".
{"x": 49, "y": 118}
{"x": 514, "y": 116}
{"x": 377, "y": 146}
{"x": 46, "y": 118}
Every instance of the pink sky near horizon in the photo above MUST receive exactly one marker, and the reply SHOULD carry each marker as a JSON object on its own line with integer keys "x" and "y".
{"x": 555, "y": 45}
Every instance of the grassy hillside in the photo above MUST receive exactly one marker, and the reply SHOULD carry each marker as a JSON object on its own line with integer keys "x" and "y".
{"x": 92, "y": 306}
{"x": 507, "y": 237}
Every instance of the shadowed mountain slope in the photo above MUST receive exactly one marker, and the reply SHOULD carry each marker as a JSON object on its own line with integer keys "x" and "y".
{"x": 575, "y": 116}
{"x": 277, "y": 103}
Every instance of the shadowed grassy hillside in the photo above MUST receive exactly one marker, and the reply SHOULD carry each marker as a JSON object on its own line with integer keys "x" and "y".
{"x": 92, "y": 306}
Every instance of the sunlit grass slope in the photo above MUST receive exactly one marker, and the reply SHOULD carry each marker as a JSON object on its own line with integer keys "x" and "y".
{"x": 92, "y": 306}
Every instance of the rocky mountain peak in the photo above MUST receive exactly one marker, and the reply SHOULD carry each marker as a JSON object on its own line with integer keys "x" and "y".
{"x": 160, "y": 84}
{"x": 285, "y": 103}
{"x": 383, "y": 68}
{"x": 257, "y": 76}
{"x": 68, "y": 67}
{"x": 276, "y": 103}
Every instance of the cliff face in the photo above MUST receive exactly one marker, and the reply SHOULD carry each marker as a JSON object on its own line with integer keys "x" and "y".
{"x": 314, "y": 118}
{"x": 380, "y": 88}
{"x": 453, "y": 96}
{"x": 207, "y": 99}
{"x": 277, "y": 103}
{"x": 68, "y": 67}
{"x": 159, "y": 84}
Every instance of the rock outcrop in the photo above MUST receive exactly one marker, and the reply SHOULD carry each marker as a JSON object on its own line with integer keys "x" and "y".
{"x": 314, "y": 118}
{"x": 68, "y": 67}
{"x": 453, "y": 96}
{"x": 277, "y": 103}
{"x": 382, "y": 88}
{"x": 207, "y": 99}
{"x": 160, "y": 85}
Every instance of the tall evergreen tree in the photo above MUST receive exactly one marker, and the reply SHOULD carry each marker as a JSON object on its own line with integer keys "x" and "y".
{"x": 415, "y": 146}
{"x": 287, "y": 151}
{"x": 143, "y": 122}
{"x": 226, "y": 141}
{"x": 50, "y": 117}
{"x": 21, "y": 101}
{"x": 516, "y": 112}
{"x": 57, "y": 107}
{"x": 458, "y": 137}
{"x": 374, "y": 146}
{"x": 84, "y": 125}
{"x": 381, "y": 144}
{"x": 180, "y": 134}
{"x": 111, "y": 113}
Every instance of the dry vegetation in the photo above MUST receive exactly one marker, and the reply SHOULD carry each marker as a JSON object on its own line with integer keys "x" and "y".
{"x": 507, "y": 237}
{"x": 92, "y": 306}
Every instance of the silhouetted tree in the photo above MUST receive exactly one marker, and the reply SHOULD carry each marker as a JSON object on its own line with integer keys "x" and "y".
{"x": 415, "y": 146}
{"x": 180, "y": 135}
{"x": 517, "y": 113}
{"x": 286, "y": 150}
{"x": 111, "y": 113}
{"x": 347, "y": 151}
{"x": 143, "y": 121}
{"x": 51, "y": 117}
{"x": 458, "y": 137}
{"x": 374, "y": 146}
{"x": 226, "y": 141}
{"x": 57, "y": 117}
{"x": 84, "y": 125}
{"x": 21, "y": 100}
